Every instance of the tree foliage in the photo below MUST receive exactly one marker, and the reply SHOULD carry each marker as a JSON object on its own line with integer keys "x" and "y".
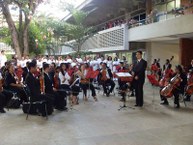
{"x": 77, "y": 30}
{"x": 19, "y": 35}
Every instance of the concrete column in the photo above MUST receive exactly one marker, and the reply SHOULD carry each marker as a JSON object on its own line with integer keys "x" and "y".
{"x": 186, "y": 52}
{"x": 149, "y": 53}
{"x": 149, "y": 6}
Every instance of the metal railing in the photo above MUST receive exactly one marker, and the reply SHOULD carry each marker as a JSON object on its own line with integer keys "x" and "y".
{"x": 161, "y": 16}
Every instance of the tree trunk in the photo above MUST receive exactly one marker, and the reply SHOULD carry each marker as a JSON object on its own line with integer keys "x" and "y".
{"x": 25, "y": 35}
{"x": 25, "y": 42}
{"x": 12, "y": 28}
{"x": 20, "y": 31}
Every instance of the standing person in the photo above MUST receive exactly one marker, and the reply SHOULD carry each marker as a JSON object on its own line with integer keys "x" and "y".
{"x": 3, "y": 58}
{"x": 139, "y": 78}
{"x": 167, "y": 64}
{"x": 110, "y": 63}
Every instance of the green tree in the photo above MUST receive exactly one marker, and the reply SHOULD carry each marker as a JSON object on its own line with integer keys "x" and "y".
{"x": 53, "y": 32}
{"x": 78, "y": 30}
{"x": 19, "y": 36}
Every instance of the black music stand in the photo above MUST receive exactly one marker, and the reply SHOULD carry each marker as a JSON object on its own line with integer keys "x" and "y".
{"x": 124, "y": 101}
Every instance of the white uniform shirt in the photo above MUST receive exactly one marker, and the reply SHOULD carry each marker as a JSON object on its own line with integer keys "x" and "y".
{"x": 3, "y": 59}
{"x": 62, "y": 77}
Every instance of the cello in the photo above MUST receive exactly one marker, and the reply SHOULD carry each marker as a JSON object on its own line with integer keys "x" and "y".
{"x": 42, "y": 83}
{"x": 189, "y": 88}
{"x": 56, "y": 80}
{"x": 167, "y": 91}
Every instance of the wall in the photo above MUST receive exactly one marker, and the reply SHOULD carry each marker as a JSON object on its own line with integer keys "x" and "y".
{"x": 163, "y": 51}
{"x": 176, "y": 26}
{"x": 186, "y": 52}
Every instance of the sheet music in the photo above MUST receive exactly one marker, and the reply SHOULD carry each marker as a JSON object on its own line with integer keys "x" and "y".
{"x": 123, "y": 74}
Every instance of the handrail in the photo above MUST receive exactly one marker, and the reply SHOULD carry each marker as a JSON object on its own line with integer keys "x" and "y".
{"x": 153, "y": 19}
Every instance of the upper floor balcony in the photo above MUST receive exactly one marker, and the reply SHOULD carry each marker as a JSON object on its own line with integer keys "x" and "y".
{"x": 168, "y": 27}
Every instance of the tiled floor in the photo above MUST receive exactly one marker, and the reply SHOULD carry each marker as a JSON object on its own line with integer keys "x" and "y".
{"x": 100, "y": 123}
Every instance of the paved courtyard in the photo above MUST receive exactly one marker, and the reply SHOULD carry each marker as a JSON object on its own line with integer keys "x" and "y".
{"x": 100, "y": 123}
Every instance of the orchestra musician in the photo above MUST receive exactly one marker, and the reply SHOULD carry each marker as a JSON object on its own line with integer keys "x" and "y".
{"x": 74, "y": 83}
{"x": 179, "y": 87}
{"x": 56, "y": 78}
{"x": 5, "y": 96}
{"x": 85, "y": 82}
{"x": 122, "y": 83}
{"x": 34, "y": 87}
{"x": 190, "y": 80}
{"x": 12, "y": 84}
{"x": 139, "y": 78}
{"x": 64, "y": 77}
{"x": 106, "y": 78}
{"x": 59, "y": 96}
{"x": 167, "y": 64}
{"x": 25, "y": 70}
{"x": 155, "y": 69}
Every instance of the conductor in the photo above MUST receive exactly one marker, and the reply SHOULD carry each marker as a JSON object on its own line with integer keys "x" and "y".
{"x": 139, "y": 78}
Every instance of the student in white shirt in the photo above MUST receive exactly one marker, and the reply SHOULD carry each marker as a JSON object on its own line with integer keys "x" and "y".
{"x": 3, "y": 58}
{"x": 64, "y": 77}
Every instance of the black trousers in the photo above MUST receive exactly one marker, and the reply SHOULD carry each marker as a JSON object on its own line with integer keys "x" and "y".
{"x": 5, "y": 97}
{"x": 139, "y": 92}
{"x": 49, "y": 102}
{"x": 85, "y": 87}
{"x": 65, "y": 87}
{"x": 59, "y": 98}
{"x": 106, "y": 83}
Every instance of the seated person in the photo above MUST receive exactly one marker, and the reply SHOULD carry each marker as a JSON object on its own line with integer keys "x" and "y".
{"x": 5, "y": 97}
{"x": 178, "y": 88}
{"x": 34, "y": 87}
{"x": 105, "y": 78}
{"x": 11, "y": 84}
{"x": 85, "y": 83}
{"x": 64, "y": 77}
{"x": 59, "y": 96}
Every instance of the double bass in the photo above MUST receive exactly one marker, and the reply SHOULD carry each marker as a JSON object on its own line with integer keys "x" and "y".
{"x": 189, "y": 88}
{"x": 167, "y": 91}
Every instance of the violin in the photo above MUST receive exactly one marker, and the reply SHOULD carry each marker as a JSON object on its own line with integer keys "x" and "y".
{"x": 167, "y": 91}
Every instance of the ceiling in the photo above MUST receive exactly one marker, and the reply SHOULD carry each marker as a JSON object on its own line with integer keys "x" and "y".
{"x": 169, "y": 39}
{"x": 104, "y": 10}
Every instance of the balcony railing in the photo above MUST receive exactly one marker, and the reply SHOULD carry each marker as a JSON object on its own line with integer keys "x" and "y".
{"x": 161, "y": 16}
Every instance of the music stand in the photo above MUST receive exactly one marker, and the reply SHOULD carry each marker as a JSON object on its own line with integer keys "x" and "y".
{"x": 129, "y": 76}
{"x": 124, "y": 101}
